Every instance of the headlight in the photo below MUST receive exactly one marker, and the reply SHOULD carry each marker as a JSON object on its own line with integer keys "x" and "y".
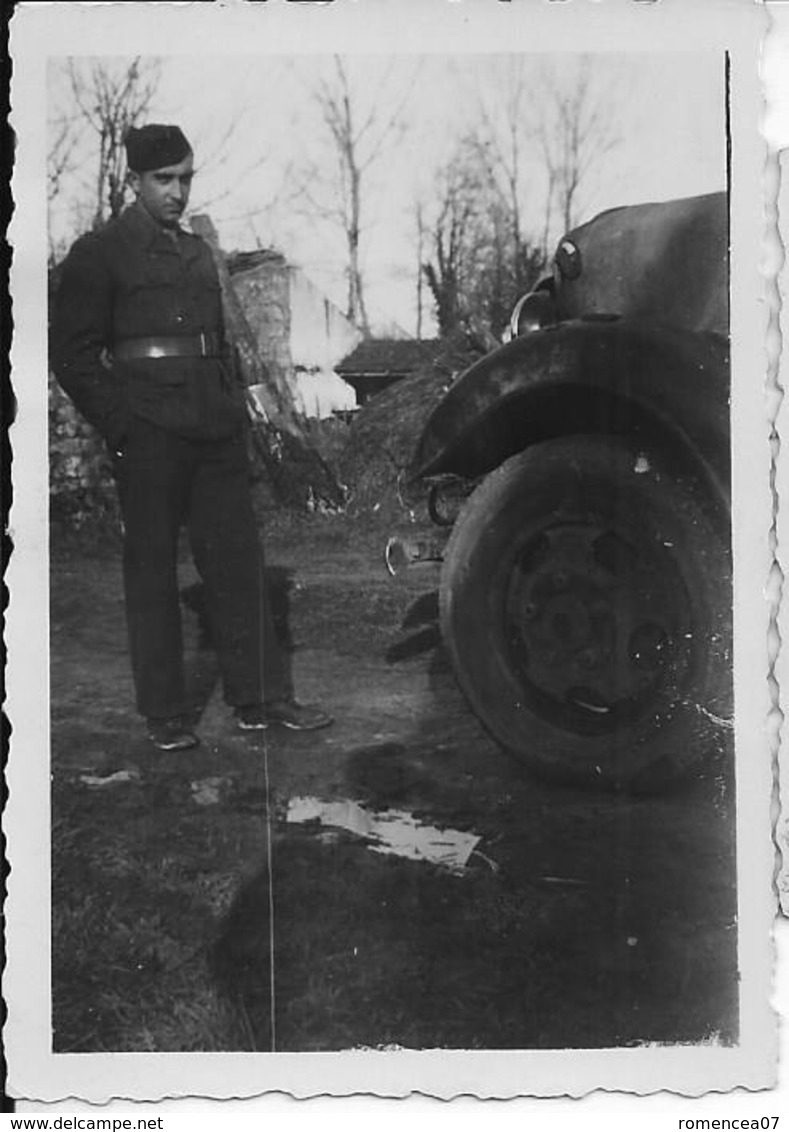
{"x": 531, "y": 312}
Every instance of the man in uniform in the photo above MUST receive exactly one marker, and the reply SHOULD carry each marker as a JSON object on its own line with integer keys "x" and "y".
{"x": 138, "y": 344}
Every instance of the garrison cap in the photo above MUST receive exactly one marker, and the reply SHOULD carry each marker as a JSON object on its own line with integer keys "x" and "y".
{"x": 155, "y": 147}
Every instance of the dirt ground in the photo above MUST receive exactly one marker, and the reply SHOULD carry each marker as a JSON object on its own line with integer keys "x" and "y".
{"x": 188, "y": 914}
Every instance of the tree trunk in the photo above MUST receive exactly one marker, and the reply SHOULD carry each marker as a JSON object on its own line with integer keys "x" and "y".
{"x": 279, "y": 448}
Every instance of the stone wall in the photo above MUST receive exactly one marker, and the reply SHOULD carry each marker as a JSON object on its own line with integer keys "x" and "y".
{"x": 81, "y": 489}
{"x": 263, "y": 289}
{"x": 301, "y": 334}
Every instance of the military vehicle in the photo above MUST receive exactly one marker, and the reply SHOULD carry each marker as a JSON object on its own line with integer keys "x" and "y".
{"x": 585, "y": 594}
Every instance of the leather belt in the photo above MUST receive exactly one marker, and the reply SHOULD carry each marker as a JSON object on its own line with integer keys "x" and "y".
{"x": 196, "y": 346}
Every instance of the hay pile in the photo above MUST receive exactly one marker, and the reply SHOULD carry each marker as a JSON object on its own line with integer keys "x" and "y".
{"x": 375, "y": 463}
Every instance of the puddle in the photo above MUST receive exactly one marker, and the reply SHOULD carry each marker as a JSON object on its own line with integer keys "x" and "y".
{"x": 389, "y": 831}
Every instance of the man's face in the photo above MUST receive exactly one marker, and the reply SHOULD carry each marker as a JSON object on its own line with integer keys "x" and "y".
{"x": 164, "y": 192}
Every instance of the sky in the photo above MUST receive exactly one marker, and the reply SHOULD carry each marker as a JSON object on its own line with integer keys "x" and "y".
{"x": 266, "y": 166}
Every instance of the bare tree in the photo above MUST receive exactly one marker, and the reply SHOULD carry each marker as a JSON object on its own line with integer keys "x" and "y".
{"x": 502, "y": 143}
{"x": 452, "y": 242}
{"x": 575, "y": 130}
{"x": 109, "y": 99}
{"x": 543, "y": 131}
{"x": 419, "y": 218}
{"x": 60, "y": 164}
{"x": 358, "y": 138}
{"x": 61, "y": 153}
{"x": 480, "y": 260}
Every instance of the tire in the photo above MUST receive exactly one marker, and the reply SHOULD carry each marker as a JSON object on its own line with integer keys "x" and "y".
{"x": 586, "y": 605}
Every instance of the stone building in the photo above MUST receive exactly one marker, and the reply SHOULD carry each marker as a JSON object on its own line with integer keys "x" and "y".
{"x": 300, "y": 333}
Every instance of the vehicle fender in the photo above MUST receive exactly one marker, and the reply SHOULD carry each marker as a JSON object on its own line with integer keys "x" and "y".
{"x": 618, "y": 376}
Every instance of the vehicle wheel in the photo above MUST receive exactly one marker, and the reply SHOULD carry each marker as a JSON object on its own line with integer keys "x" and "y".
{"x": 586, "y": 605}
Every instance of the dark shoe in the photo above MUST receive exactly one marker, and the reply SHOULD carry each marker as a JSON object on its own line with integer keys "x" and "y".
{"x": 283, "y": 713}
{"x": 296, "y": 716}
{"x": 171, "y": 735}
{"x": 251, "y": 717}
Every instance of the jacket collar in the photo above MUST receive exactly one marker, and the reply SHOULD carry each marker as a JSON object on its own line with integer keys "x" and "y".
{"x": 148, "y": 234}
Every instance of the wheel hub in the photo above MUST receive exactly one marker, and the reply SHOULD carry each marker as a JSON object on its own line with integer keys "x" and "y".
{"x": 592, "y": 621}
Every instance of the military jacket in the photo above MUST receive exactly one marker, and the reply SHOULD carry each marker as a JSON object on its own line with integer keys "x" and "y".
{"x": 132, "y": 280}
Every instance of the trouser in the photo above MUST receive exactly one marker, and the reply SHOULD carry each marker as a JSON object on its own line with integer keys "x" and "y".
{"x": 165, "y": 483}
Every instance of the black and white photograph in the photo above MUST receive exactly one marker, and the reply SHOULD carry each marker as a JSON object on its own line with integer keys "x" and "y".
{"x": 398, "y": 491}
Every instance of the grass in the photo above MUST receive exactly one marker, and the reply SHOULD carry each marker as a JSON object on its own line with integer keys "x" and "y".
{"x": 161, "y": 944}
{"x": 379, "y": 952}
{"x": 160, "y": 906}
{"x": 133, "y": 919}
